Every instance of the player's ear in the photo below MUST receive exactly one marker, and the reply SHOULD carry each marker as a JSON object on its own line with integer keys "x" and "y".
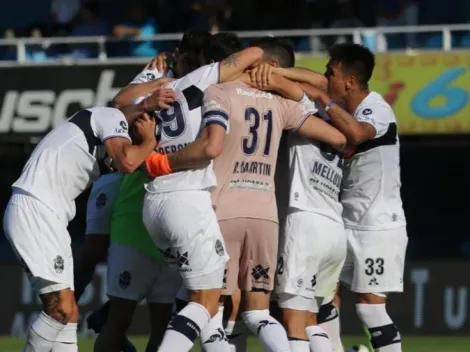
{"x": 274, "y": 63}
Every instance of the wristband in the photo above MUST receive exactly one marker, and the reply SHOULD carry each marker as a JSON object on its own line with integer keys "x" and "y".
{"x": 329, "y": 105}
{"x": 157, "y": 165}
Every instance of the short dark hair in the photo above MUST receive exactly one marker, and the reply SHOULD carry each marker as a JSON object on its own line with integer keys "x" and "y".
{"x": 221, "y": 46}
{"x": 355, "y": 60}
{"x": 191, "y": 49}
{"x": 277, "y": 49}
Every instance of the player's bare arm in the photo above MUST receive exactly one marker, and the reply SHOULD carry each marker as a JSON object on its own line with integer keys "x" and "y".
{"x": 355, "y": 131}
{"x": 233, "y": 66}
{"x": 129, "y": 94}
{"x": 304, "y": 75}
{"x": 316, "y": 128}
{"x": 127, "y": 157}
{"x": 264, "y": 78}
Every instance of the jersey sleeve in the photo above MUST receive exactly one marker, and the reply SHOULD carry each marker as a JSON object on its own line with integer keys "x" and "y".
{"x": 205, "y": 76}
{"x": 295, "y": 113}
{"x": 110, "y": 123}
{"x": 146, "y": 76}
{"x": 378, "y": 116}
{"x": 216, "y": 107}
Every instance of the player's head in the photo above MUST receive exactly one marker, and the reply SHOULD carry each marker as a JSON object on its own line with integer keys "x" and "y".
{"x": 221, "y": 46}
{"x": 277, "y": 52}
{"x": 349, "y": 69}
{"x": 189, "y": 53}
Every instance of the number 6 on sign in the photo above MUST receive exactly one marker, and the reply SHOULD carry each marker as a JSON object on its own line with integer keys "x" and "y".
{"x": 456, "y": 98}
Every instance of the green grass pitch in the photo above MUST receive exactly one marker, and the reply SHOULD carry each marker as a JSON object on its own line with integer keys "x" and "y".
{"x": 410, "y": 344}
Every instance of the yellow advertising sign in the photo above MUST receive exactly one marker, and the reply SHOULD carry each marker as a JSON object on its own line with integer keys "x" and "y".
{"x": 429, "y": 92}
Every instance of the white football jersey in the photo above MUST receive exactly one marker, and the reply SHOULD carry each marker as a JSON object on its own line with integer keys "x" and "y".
{"x": 371, "y": 182}
{"x": 70, "y": 157}
{"x": 180, "y": 125}
{"x": 316, "y": 170}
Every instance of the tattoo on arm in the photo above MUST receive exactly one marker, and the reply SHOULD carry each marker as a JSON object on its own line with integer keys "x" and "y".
{"x": 231, "y": 61}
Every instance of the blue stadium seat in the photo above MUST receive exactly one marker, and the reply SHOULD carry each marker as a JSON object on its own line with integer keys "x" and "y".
{"x": 465, "y": 41}
{"x": 303, "y": 45}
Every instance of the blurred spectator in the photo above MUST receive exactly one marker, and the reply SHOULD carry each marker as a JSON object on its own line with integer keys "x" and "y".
{"x": 398, "y": 13}
{"x": 36, "y": 52}
{"x": 346, "y": 17}
{"x": 64, "y": 13}
{"x": 140, "y": 24}
{"x": 219, "y": 12}
{"x": 89, "y": 24}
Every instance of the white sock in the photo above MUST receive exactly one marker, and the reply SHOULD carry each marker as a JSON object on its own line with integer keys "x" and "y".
{"x": 213, "y": 337}
{"x": 333, "y": 330}
{"x": 66, "y": 341}
{"x": 184, "y": 328}
{"x": 269, "y": 330}
{"x": 319, "y": 341}
{"x": 298, "y": 345}
{"x": 384, "y": 334}
{"x": 237, "y": 335}
{"x": 43, "y": 333}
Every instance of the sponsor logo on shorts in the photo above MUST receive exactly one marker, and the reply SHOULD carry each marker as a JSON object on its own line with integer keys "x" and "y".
{"x": 59, "y": 264}
{"x": 224, "y": 281}
{"x": 101, "y": 200}
{"x": 313, "y": 282}
{"x": 219, "y": 248}
{"x": 300, "y": 282}
{"x": 373, "y": 282}
{"x": 183, "y": 262}
{"x": 260, "y": 274}
{"x": 125, "y": 279}
{"x": 280, "y": 266}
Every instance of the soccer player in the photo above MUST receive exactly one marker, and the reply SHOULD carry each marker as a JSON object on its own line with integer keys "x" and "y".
{"x": 128, "y": 233}
{"x": 244, "y": 198}
{"x": 372, "y": 207}
{"x": 178, "y": 210}
{"x": 312, "y": 242}
{"x": 60, "y": 168}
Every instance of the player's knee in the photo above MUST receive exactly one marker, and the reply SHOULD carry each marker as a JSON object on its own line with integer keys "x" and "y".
{"x": 327, "y": 312}
{"x": 371, "y": 298}
{"x": 62, "y": 308}
{"x": 209, "y": 299}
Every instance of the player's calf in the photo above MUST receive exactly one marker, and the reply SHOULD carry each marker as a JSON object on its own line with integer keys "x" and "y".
{"x": 260, "y": 322}
{"x": 371, "y": 309}
{"x": 295, "y": 322}
{"x": 328, "y": 319}
{"x": 56, "y": 325}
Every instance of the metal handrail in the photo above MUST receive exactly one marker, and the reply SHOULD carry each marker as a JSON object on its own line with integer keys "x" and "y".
{"x": 357, "y": 33}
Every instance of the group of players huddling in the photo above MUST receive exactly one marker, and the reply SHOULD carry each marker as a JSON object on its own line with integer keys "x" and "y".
{"x": 220, "y": 172}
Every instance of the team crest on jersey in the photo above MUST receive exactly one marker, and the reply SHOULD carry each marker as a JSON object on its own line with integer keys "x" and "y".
{"x": 125, "y": 279}
{"x": 366, "y": 112}
{"x": 101, "y": 200}
{"x": 150, "y": 76}
{"x": 219, "y": 248}
{"x": 59, "y": 264}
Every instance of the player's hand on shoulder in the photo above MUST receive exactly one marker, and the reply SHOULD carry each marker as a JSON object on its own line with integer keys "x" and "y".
{"x": 144, "y": 128}
{"x": 161, "y": 99}
{"x": 261, "y": 76}
{"x": 313, "y": 93}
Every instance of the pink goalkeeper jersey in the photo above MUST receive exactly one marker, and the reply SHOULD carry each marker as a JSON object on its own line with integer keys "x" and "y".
{"x": 245, "y": 169}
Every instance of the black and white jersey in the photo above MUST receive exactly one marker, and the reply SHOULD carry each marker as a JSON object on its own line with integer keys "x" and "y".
{"x": 371, "y": 180}
{"x": 70, "y": 157}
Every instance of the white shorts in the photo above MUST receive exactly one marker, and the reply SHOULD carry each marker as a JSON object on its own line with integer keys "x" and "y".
{"x": 183, "y": 225}
{"x": 375, "y": 261}
{"x": 312, "y": 253}
{"x": 41, "y": 241}
{"x": 134, "y": 275}
{"x": 101, "y": 202}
